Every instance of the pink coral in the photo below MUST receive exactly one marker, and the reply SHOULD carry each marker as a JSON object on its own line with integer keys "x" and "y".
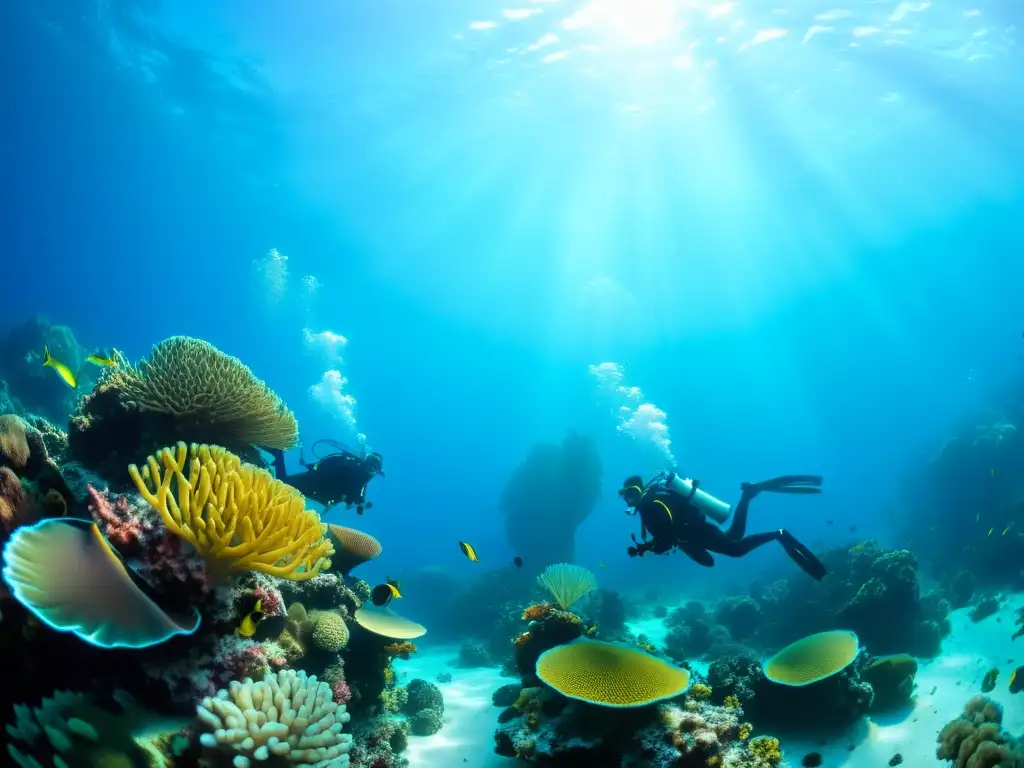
{"x": 240, "y": 658}
{"x": 122, "y": 525}
{"x": 270, "y": 599}
{"x": 163, "y": 559}
{"x": 342, "y": 693}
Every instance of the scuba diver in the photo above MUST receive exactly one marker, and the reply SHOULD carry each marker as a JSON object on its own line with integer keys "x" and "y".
{"x": 340, "y": 477}
{"x": 675, "y": 512}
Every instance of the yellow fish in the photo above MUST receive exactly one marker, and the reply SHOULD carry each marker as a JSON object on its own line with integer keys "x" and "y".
{"x": 468, "y": 551}
{"x": 990, "y": 531}
{"x": 247, "y": 628}
{"x": 108, "y": 362}
{"x": 601, "y": 564}
{"x": 1006, "y": 530}
{"x": 62, "y": 370}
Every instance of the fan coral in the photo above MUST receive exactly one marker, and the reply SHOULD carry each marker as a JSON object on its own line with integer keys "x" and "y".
{"x": 567, "y": 583}
{"x": 236, "y": 515}
{"x": 190, "y": 379}
{"x": 286, "y": 715}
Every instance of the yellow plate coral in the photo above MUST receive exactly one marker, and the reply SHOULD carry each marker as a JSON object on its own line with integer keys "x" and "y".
{"x": 610, "y": 674}
{"x": 813, "y": 658}
{"x": 237, "y": 516}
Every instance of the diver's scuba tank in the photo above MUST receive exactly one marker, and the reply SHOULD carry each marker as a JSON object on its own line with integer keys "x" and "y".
{"x": 714, "y": 508}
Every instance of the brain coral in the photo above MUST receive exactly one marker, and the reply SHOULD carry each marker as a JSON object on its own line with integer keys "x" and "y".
{"x": 330, "y": 632}
{"x": 190, "y": 379}
{"x": 813, "y": 658}
{"x": 609, "y": 674}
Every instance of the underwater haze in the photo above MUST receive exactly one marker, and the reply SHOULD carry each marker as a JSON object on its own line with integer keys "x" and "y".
{"x": 736, "y": 239}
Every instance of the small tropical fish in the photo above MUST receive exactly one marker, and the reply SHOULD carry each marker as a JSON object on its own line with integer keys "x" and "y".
{"x": 517, "y": 561}
{"x": 468, "y": 551}
{"x": 988, "y": 682}
{"x": 990, "y": 531}
{"x": 247, "y": 627}
{"x": 1017, "y": 680}
{"x": 382, "y": 594}
{"x": 62, "y": 370}
{"x": 108, "y": 362}
{"x": 1006, "y": 530}
{"x": 601, "y": 564}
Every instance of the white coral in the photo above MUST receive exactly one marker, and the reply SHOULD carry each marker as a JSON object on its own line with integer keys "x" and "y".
{"x": 287, "y": 715}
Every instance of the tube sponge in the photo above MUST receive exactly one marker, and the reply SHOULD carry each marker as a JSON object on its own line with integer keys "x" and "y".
{"x": 288, "y": 715}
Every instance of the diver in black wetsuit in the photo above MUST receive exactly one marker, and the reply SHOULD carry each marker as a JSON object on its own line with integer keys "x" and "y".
{"x": 339, "y": 477}
{"x": 674, "y": 513}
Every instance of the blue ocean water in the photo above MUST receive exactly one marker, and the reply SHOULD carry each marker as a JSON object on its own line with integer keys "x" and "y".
{"x": 795, "y": 228}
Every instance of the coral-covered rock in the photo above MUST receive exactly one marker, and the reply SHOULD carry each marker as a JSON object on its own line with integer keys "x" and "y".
{"x": 835, "y": 701}
{"x": 33, "y": 388}
{"x": 740, "y": 615}
{"x": 473, "y": 653}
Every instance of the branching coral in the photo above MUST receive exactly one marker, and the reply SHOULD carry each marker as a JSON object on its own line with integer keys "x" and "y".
{"x": 190, "y": 379}
{"x": 237, "y": 516}
{"x": 287, "y": 715}
{"x": 976, "y": 740}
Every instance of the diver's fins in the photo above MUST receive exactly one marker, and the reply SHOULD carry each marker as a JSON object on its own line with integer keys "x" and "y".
{"x": 786, "y": 484}
{"x": 802, "y": 556}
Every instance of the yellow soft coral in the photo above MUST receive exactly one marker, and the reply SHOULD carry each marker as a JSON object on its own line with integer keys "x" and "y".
{"x": 744, "y": 731}
{"x": 403, "y": 650}
{"x": 766, "y": 750}
{"x": 700, "y": 692}
{"x": 731, "y": 702}
{"x": 237, "y": 516}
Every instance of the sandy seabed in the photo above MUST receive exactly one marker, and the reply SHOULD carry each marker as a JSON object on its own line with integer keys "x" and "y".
{"x": 944, "y": 685}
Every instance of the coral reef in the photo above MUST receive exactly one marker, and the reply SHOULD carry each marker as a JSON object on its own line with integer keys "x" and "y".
{"x": 31, "y": 484}
{"x": 186, "y": 390}
{"x": 874, "y": 591}
{"x": 31, "y": 388}
{"x": 976, "y": 739}
{"x": 554, "y": 490}
{"x": 980, "y": 462}
{"x": 77, "y": 731}
{"x": 424, "y": 707}
{"x": 237, "y": 516}
{"x": 545, "y": 729}
{"x": 740, "y": 615}
{"x": 287, "y": 715}
{"x": 831, "y": 702}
